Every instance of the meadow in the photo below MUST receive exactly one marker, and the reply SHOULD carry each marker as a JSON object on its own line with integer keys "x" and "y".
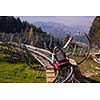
{"x": 18, "y": 72}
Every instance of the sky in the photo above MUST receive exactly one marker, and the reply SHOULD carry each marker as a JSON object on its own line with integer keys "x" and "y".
{"x": 67, "y": 20}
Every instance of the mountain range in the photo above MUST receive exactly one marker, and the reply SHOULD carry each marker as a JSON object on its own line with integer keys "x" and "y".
{"x": 61, "y": 30}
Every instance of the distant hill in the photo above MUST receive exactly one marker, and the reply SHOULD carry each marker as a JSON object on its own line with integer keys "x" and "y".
{"x": 60, "y": 30}
{"x": 81, "y": 38}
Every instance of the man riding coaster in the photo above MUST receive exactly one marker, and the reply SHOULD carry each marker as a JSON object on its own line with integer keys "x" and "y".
{"x": 59, "y": 58}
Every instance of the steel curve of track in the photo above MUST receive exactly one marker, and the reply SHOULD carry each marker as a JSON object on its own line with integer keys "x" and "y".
{"x": 39, "y": 52}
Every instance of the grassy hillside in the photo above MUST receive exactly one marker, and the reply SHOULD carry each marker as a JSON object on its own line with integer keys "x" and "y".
{"x": 18, "y": 72}
{"x": 90, "y": 69}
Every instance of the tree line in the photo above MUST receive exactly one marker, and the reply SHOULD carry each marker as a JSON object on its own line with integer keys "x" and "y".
{"x": 12, "y": 25}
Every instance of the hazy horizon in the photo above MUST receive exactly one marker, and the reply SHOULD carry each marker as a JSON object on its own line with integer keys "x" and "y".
{"x": 67, "y": 20}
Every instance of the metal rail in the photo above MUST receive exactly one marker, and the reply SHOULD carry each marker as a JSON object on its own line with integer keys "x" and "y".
{"x": 46, "y": 56}
{"x": 35, "y": 50}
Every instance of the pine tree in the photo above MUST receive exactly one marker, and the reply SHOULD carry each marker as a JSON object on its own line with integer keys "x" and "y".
{"x": 94, "y": 32}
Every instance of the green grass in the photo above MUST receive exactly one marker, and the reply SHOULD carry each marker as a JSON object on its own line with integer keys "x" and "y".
{"x": 18, "y": 72}
{"x": 89, "y": 65}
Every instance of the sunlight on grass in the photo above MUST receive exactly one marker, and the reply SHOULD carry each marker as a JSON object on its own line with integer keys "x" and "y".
{"x": 89, "y": 65}
{"x": 18, "y": 72}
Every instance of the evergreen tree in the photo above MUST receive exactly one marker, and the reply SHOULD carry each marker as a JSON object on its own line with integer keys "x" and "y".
{"x": 94, "y": 32}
